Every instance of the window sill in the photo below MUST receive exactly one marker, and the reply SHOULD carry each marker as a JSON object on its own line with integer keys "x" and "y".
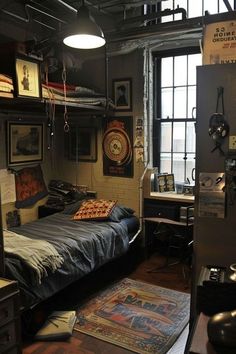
{"x": 172, "y": 196}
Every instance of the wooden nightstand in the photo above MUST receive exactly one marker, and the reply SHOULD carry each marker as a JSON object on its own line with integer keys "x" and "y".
{"x": 10, "y": 334}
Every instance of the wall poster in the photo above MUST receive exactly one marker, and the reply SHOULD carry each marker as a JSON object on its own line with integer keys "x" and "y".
{"x": 220, "y": 43}
{"x": 118, "y": 147}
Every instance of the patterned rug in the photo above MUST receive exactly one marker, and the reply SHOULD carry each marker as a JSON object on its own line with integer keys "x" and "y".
{"x": 138, "y": 316}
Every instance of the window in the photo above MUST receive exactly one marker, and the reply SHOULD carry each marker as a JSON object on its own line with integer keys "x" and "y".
{"x": 174, "y": 121}
{"x": 175, "y": 95}
{"x": 194, "y": 8}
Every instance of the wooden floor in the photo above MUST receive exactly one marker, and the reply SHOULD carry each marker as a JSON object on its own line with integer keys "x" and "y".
{"x": 134, "y": 267}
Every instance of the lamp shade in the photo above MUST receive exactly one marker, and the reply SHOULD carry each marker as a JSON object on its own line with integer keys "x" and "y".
{"x": 84, "y": 33}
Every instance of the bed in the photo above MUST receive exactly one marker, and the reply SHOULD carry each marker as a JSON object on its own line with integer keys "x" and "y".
{"x": 83, "y": 245}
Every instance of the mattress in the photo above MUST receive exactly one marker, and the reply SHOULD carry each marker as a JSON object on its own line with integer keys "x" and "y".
{"x": 84, "y": 246}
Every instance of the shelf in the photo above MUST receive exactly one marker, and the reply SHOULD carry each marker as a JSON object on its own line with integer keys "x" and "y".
{"x": 31, "y": 105}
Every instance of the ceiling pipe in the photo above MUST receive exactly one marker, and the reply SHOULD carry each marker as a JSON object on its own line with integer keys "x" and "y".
{"x": 66, "y": 5}
{"x": 161, "y": 29}
{"x": 125, "y": 3}
{"x": 27, "y": 18}
{"x": 155, "y": 15}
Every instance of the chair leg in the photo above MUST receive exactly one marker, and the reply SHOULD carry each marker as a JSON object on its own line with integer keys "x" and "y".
{"x": 168, "y": 255}
{"x": 176, "y": 242}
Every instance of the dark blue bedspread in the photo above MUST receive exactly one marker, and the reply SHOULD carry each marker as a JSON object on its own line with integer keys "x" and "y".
{"x": 85, "y": 246}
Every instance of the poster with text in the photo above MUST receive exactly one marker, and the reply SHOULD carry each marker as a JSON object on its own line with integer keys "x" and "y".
{"x": 220, "y": 43}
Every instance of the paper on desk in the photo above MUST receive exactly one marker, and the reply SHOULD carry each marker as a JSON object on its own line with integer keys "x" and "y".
{"x": 8, "y": 187}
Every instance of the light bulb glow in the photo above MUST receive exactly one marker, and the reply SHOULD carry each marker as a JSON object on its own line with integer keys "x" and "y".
{"x": 84, "y": 41}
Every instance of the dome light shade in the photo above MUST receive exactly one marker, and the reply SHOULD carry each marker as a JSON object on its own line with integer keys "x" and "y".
{"x": 84, "y": 33}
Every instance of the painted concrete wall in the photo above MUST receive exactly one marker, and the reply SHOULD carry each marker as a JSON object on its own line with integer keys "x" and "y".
{"x": 125, "y": 190}
{"x": 29, "y": 213}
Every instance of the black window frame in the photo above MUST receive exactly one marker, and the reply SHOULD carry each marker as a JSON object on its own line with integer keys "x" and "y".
{"x": 157, "y": 120}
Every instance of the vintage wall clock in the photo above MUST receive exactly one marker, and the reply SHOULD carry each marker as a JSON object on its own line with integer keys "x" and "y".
{"x": 116, "y": 146}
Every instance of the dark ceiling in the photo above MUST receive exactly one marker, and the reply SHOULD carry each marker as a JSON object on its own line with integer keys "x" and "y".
{"x": 40, "y": 24}
{"x": 40, "y": 19}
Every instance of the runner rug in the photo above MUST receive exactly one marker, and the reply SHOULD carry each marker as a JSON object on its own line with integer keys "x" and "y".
{"x": 138, "y": 316}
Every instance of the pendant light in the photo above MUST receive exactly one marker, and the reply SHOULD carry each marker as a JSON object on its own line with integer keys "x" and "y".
{"x": 84, "y": 33}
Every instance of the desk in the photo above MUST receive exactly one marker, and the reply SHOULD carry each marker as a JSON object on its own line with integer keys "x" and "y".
{"x": 162, "y": 205}
{"x": 172, "y": 197}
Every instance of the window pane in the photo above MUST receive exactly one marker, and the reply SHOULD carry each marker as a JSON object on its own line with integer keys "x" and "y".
{"x": 165, "y": 163}
{"x": 191, "y": 100}
{"x": 167, "y": 72}
{"x": 180, "y": 102}
{"x": 183, "y": 4}
{"x": 190, "y": 164}
{"x": 211, "y": 6}
{"x": 190, "y": 137}
{"x": 179, "y": 137}
{"x": 223, "y": 8}
{"x": 178, "y": 167}
{"x": 180, "y": 62}
{"x": 166, "y": 137}
{"x": 166, "y": 103}
{"x": 167, "y": 5}
{"x": 195, "y": 8}
{"x": 193, "y": 61}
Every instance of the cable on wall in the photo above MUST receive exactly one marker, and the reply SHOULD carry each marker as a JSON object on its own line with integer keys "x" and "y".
{"x": 66, "y": 124}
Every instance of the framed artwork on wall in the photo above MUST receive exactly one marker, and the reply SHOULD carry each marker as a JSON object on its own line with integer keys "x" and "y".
{"x": 122, "y": 94}
{"x": 28, "y": 81}
{"x": 25, "y": 143}
{"x": 82, "y": 143}
{"x": 117, "y": 147}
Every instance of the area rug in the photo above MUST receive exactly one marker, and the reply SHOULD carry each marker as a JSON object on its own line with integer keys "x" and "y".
{"x": 138, "y": 316}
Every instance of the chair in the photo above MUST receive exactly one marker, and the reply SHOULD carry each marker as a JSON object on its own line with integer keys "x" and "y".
{"x": 178, "y": 238}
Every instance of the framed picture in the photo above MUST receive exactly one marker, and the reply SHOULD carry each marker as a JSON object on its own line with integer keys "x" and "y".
{"x": 28, "y": 82}
{"x": 122, "y": 93}
{"x": 82, "y": 144}
{"x": 117, "y": 145}
{"x": 25, "y": 143}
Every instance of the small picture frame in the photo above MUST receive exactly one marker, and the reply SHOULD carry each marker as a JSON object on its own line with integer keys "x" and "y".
{"x": 28, "y": 80}
{"x": 82, "y": 144}
{"x": 25, "y": 143}
{"x": 122, "y": 93}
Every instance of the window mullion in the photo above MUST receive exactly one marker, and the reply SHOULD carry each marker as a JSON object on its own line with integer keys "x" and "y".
{"x": 173, "y": 115}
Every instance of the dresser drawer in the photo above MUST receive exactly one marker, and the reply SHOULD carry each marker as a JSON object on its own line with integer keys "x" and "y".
{"x": 7, "y": 336}
{"x": 6, "y": 311}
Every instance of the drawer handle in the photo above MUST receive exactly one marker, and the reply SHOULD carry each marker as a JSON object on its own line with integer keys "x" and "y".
{"x": 5, "y": 338}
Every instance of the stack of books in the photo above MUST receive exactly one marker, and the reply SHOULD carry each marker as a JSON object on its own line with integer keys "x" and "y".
{"x": 6, "y": 86}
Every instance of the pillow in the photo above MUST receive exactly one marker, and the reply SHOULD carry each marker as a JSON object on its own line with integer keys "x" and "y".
{"x": 72, "y": 208}
{"x": 120, "y": 212}
{"x": 94, "y": 209}
{"x": 30, "y": 186}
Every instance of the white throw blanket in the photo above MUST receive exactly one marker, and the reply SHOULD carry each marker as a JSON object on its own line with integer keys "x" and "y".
{"x": 39, "y": 255}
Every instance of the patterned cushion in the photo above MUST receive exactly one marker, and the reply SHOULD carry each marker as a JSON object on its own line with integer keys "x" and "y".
{"x": 95, "y": 209}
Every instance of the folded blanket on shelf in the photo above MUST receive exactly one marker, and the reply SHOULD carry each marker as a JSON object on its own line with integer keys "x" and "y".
{"x": 40, "y": 256}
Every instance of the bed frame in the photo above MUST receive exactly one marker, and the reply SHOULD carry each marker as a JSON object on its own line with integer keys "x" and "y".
{"x": 84, "y": 246}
